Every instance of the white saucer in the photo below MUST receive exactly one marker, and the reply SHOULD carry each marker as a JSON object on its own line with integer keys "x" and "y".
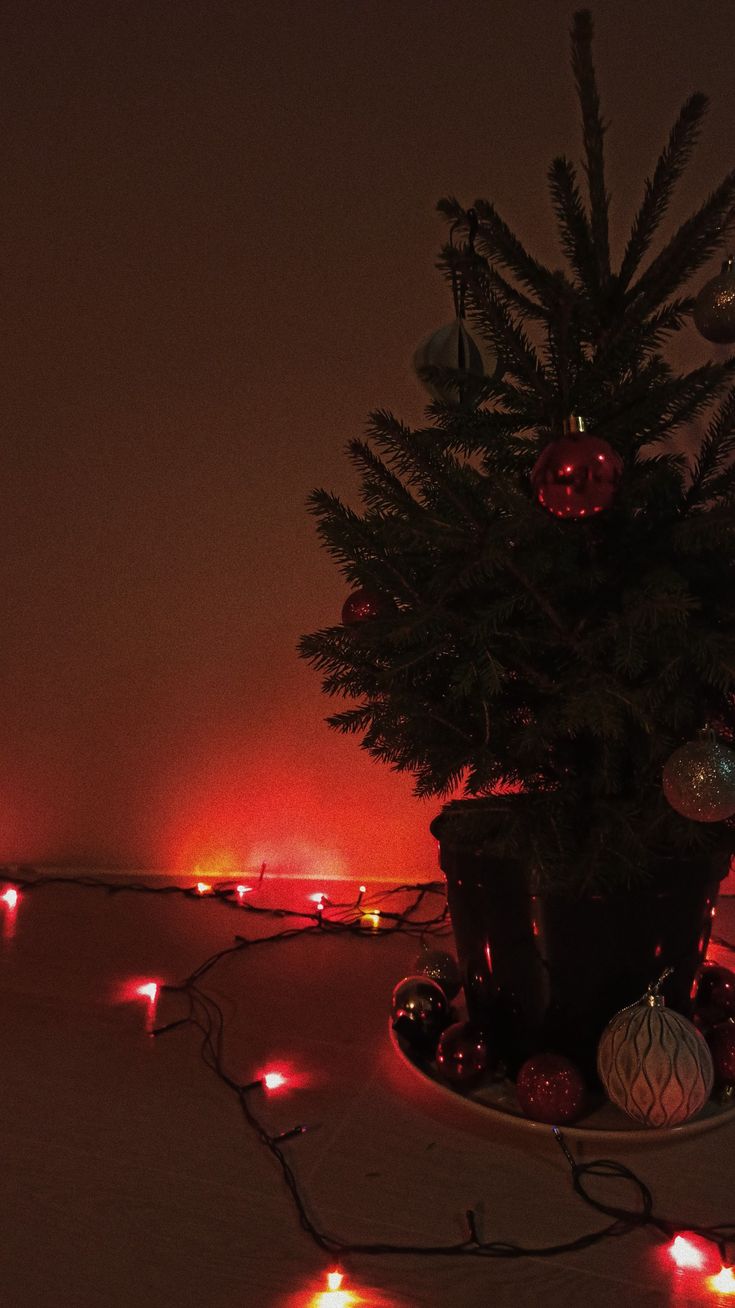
{"x": 495, "y": 1100}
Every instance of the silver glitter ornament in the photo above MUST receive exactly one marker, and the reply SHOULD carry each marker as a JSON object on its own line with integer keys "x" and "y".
{"x": 442, "y": 968}
{"x": 714, "y": 308}
{"x": 699, "y": 780}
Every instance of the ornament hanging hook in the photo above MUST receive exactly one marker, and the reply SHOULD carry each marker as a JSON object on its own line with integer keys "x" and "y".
{"x": 652, "y": 995}
{"x": 654, "y": 989}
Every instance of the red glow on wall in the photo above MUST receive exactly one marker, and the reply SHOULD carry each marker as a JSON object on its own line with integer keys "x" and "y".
{"x": 254, "y": 808}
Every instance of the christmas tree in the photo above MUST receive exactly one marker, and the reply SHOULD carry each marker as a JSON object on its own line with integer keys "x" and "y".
{"x": 544, "y": 615}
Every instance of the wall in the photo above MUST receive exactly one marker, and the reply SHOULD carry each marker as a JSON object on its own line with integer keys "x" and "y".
{"x": 218, "y": 243}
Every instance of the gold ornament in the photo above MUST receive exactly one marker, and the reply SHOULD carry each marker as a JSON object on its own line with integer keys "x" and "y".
{"x": 699, "y": 780}
{"x": 654, "y": 1063}
{"x": 714, "y": 308}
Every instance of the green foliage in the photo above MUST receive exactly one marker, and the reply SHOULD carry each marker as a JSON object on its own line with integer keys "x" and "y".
{"x": 515, "y": 650}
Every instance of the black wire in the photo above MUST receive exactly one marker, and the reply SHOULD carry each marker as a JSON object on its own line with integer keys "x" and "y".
{"x": 206, "y": 1016}
{"x": 209, "y": 1019}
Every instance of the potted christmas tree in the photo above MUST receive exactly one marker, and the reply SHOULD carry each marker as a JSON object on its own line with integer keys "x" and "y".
{"x": 543, "y": 610}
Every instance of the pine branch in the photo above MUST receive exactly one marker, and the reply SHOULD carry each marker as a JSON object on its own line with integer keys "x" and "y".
{"x": 722, "y": 490}
{"x": 480, "y": 427}
{"x": 632, "y": 405}
{"x": 672, "y": 162}
{"x": 508, "y": 337}
{"x": 541, "y": 600}
{"x": 693, "y": 244}
{"x": 353, "y": 542}
{"x": 594, "y": 132}
{"x": 689, "y": 395}
{"x": 498, "y": 243}
{"x": 458, "y": 264}
{"x": 352, "y": 720}
{"x": 417, "y": 463}
{"x": 564, "y": 349}
{"x": 514, "y": 298}
{"x": 638, "y": 332}
{"x": 718, "y": 444}
{"x": 381, "y": 486}
{"x": 383, "y": 491}
{"x": 574, "y": 229}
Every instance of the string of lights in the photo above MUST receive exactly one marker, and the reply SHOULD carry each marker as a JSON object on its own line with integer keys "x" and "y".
{"x": 204, "y": 1014}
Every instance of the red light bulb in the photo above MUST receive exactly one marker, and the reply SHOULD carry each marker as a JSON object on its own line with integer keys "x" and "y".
{"x": 684, "y": 1253}
{"x": 10, "y": 897}
{"x": 723, "y": 1282}
{"x": 148, "y": 991}
{"x": 273, "y": 1080}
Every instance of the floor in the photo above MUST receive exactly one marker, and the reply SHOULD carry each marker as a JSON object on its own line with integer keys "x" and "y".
{"x": 129, "y": 1176}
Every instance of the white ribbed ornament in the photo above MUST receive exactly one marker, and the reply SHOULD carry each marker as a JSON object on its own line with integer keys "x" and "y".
{"x": 654, "y": 1064}
{"x": 455, "y": 346}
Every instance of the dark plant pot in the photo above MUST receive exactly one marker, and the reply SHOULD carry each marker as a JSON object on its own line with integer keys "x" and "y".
{"x": 548, "y": 971}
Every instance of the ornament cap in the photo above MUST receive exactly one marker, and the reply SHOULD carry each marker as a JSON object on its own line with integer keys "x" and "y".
{"x": 573, "y": 425}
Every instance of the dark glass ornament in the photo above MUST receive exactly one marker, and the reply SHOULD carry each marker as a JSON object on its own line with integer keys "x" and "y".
{"x": 714, "y": 307}
{"x": 578, "y": 474}
{"x": 462, "y": 1054}
{"x": 442, "y": 968}
{"x": 360, "y": 606}
{"x": 721, "y": 1042}
{"x": 420, "y": 1012}
{"x": 699, "y": 780}
{"x": 714, "y": 994}
{"x": 550, "y": 1089}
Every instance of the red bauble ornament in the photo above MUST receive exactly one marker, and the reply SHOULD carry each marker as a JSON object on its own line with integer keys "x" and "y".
{"x": 578, "y": 474}
{"x": 722, "y": 1048}
{"x": 714, "y": 995}
{"x": 550, "y": 1089}
{"x": 462, "y": 1054}
{"x": 360, "y": 606}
